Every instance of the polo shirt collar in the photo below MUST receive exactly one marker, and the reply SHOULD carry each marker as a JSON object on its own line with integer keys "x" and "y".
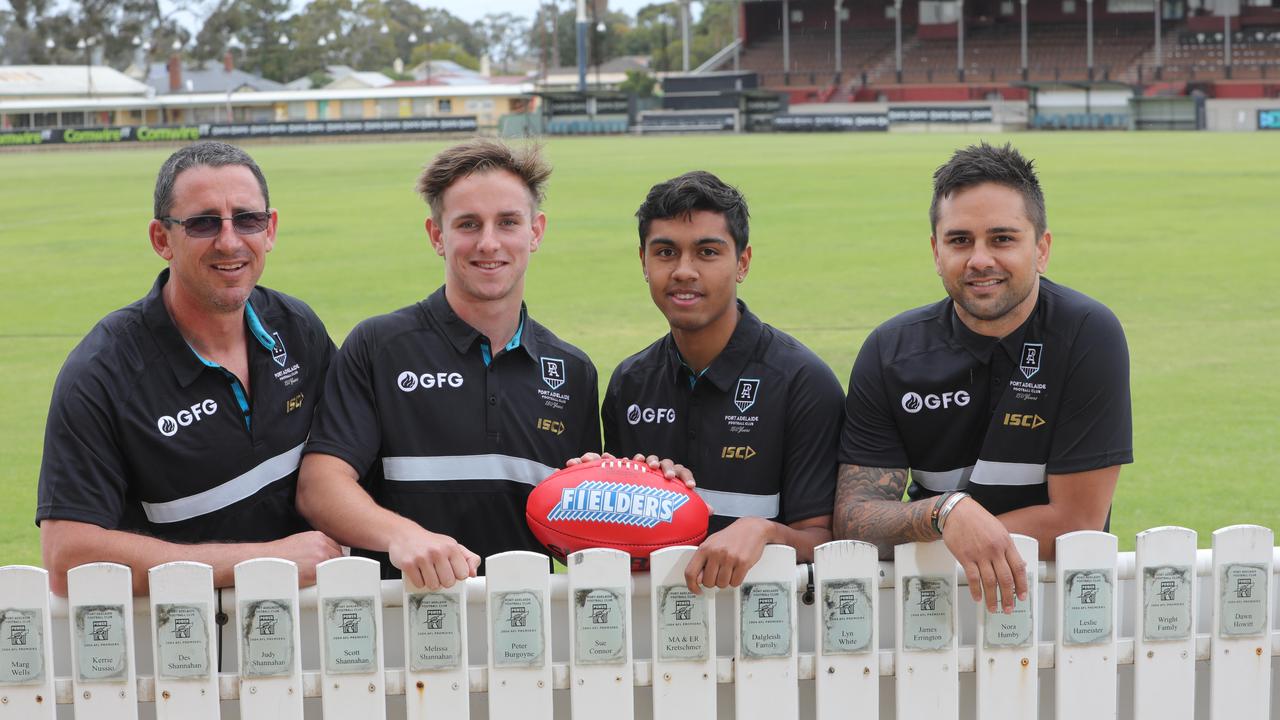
{"x": 726, "y": 367}
{"x": 981, "y": 346}
{"x": 462, "y": 336}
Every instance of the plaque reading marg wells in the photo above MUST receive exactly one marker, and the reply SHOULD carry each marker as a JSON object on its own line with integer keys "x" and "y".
{"x": 101, "y": 650}
{"x": 267, "y": 638}
{"x": 21, "y": 646}
{"x": 435, "y": 632}
{"x": 518, "y": 639}
{"x": 600, "y": 630}
{"x": 1015, "y": 630}
{"x": 350, "y": 635}
{"x": 846, "y": 616}
{"x": 1086, "y": 607}
{"x": 927, "y": 618}
{"x": 766, "y": 620}
{"x": 182, "y": 635}
{"x": 1166, "y": 602}
{"x": 682, "y": 624}
{"x": 1244, "y": 599}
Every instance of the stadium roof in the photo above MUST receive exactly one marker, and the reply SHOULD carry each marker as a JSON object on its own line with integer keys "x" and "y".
{"x": 45, "y": 81}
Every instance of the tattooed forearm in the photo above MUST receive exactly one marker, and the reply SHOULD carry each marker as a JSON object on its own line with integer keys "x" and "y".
{"x": 869, "y": 507}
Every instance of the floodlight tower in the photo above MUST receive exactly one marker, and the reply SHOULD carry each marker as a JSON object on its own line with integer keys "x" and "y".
{"x": 582, "y": 46}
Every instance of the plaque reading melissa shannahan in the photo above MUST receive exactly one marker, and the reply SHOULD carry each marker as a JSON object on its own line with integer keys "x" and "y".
{"x": 182, "y": 636}
{"x": 928, "y": 620}
{"x": 766, "y": 620}
{"x": 435, "y": 632}
{"x": 21, "y": 646}
{"x": 682, "y": 625}
{"x": 266, "y": 638}
{"x": 846, "y": 616}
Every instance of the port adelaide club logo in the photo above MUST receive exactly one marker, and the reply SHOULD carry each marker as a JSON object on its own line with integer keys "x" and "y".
{"x": 1029, "y": 364}
{"x": 744, "y": 396}
{"x": 553, "y": 375}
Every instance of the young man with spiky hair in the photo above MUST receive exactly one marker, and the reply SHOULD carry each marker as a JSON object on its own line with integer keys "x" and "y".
{"x": 752, "y": 412}
{"x": 1008, "y": 401}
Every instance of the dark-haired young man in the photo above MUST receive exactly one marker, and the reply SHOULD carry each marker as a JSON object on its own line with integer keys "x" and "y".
{"x": 752, "y": 412}
{"x": 1008, "y": 401}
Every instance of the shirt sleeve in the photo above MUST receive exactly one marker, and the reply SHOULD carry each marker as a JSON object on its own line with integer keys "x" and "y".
{"x": 609, "y": 415}
{"x": 346, "y": 422}
{"x": 1094, "y": 428}
{"x": 870, "y": 437}
{"x": 812, "y": 436}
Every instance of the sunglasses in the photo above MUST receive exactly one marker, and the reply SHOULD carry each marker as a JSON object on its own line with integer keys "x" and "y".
{"x": 207, "y": 226}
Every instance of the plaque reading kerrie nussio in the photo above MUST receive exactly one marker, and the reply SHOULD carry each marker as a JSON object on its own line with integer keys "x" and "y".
{"x": 267, "y": 638}
{"x": 928, "y": 622}
{"x": 350, "y": 635}
{"x": 1086, "y": 607}
{"x": 516, "y": 619}
{"x": 1166, "y": 602}
{"x": 600, "y": 630}
{"x": 102, "y": 652}
{"x": 766, "y": 620}
{"x": 846, "y": 616}
{"x": 435, "y": 631}
{"x": 1244, "y": 599}
{"x": 682, "y": 624}
{"x": 21, "y": 646}
{"x": 182, "y": 635}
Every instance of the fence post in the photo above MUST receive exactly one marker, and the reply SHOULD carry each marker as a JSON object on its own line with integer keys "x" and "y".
{"x": 269, "y": 640}
{"x": 1240, "y": 666}
{"x": 182, "y": 641}
{"x": 518, "y": 601}
{"x": 600, "y": 637}
{"x": 100, "y": 597}
{"x": 925, "y": 666}
{"x": 847, "y": 629}
{"x": 1006, "y": 649}
{"x": 766, "y": 671}
{"x": 684, "y": 640}
{"x": 1085, "y": 618}
{"x": 1164, "y": 626}
{"x": 436, "y": 678}
{"x": 26, "y": 644}
{"x": 349, "y": 615}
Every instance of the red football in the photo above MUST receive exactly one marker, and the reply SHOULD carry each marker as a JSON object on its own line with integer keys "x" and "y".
{"x": 618, "y": 504}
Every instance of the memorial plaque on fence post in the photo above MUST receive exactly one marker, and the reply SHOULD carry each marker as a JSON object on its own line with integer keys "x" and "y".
{"x": 518, "y": 603}
{"x": 269, "y": 643}
{"x": 182, "y": 641}
{"x": 766, "y": 673}
{"x": 1085, "y": 664}
{"x": 1240, "y": 663}
{"x": 100, "y": 602}
{"x": 1164, "y": 643}
{"x": 926, "y": 681}
{"x": 349, "y": 612}
{"x": 1007, "y": 658}
{"x": 846, "y": 629}
{"x": 684, "y": 639}
{"x": 437, "y": 679}
{"x": 600, "y": 674}
{"x": 26, "y": 644}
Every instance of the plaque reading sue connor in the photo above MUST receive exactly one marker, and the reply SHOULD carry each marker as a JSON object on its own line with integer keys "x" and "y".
{"x": 846, "y": 616}
{"x": 101, "y": 650}
{"x": 516, "y": 618}
{"x": 600, "y": 630}
{"x": 1015, "y": 630}
{"x": 928, "y": 621}
{"x": 682, "y": 624}
{"x": 766, "y": 620}
{"x": 435, "y": 632}
{"x": 182, "y": 635}
{"x": 1244, "y": 599}
{"x": 1086, "y": 607}
{"x": 21, "y": 646}
{"x": 350, "y": 635}
{"x": 1166, "y": 602}
{"x": 267, "y": 638}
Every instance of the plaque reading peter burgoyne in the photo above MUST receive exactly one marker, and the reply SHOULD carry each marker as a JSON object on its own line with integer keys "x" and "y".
{"x": 101, "y": 650}
{"x": 766, "y": 620}
{"x": 1244, "y": 599}
{"x": 1086, "y": 607}
{"x": 435, "y": 632}
{"x": 182, "y": 635}
{"x": 846, "y": 616}
{"x": 600, "y": 629}
{"x": 516, "y": 620}
{"x": 1166, "y": 602}
{"x": 267, "y": 638}
{"x": 350, "y": 635}
{"x": 927, "y": 619}
{"x": 21, "y": 646}
{"x": 682, "y": 624}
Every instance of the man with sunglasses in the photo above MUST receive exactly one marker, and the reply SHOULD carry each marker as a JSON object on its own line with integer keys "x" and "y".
{"x": 177, "y": 425}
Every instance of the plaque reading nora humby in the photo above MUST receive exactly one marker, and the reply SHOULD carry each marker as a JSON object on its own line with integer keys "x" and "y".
{"x": 435, "y": 632}
{"x": 516, "y": 618}
{"x": 766, "y": 620}
{"x": 682, "y": 624}
{"x": 267, "y": 638}
{"x": 21, "y": 646}
{"x": 600, "y": 630}
{"x": 182, "y": 635}
{"x": 1166, "y": 602}
{"x": 350, "y": 635}
{"x": 1244, "y": 599}
{"x": 1014, "y": 630}
{"x": 1086, "y": 607}
{"x": 928, "y": 621}
{"x": 846, "y": 616}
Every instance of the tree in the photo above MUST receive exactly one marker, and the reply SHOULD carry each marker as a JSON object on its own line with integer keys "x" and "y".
{"x": 256, "y": 25}
{"x": 638, "y": 83}
{"x": 504, "y": 36}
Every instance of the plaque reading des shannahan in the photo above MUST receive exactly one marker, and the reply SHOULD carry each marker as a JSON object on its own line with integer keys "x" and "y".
{"x": 1086, "y": 607}
{"x": 267, "y": 638}
{"x": 928, "y": 620}
{"x": 350, "y": 635}
{"x": 1166, "y": 602}
{"x": 682, "y": 625}
{"x": 766, "y": 620}
{"x": 1244, "y": 599}
{"x": 518, "y": 638}
{"x": 435, "y": 632}
{"x": 600, "y": 626}
{"x": 846, "y": 616}
{"x": 102, "y": 652}
{"x": 1012, "y": 630}
{"x": 21, "y": 646}
{"x": 182, "y": 636}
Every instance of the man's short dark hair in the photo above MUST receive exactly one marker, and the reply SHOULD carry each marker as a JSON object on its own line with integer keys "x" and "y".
{"x": 207, "y": 153}
{"x": 477, "y": 156}
{"x": 681, "y": 196}
{"x": 983, "y": 163}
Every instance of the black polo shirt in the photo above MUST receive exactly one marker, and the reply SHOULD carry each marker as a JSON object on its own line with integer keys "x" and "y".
{"x": 143, "y": 435}
{"x": 441, "y": 436}
{"x": 758, "y": 427}
{"x": 993, "y": 417}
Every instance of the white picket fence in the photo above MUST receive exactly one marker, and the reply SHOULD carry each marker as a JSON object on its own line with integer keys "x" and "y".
{"x": 1164, "y": 632}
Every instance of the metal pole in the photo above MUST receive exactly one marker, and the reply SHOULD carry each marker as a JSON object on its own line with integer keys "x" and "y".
{"x": 1159, "y": 53}
{"x": 684, "y": 34}
{"x": 1024, "y": 41}
{"x": 1226, "y": 44}
{"x": 838, "y": 59}
{"x": 897, "y": 38}
{"x": 960, "y": 40}
{"x": 737, "y": 34}
{"x": 582, "y": 46}
{"x": 1088, "y": 7}
{"x": 786, "y": 36}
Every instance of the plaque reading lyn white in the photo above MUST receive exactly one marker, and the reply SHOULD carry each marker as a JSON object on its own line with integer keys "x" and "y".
{"x": 350, "y": 635}
{"x": 1086, "y": 607}
{"x": 516, "y": 618}
{"x": 1244, "y": 599}
{"x": 927, "y": 618}
{"x": 182, "y": 635}
{"x": 21, "y": 646}
{"x": 682, "y": 624}
{"x": 600, "y": 630}
{"x": 766, "y": 620}
{"x": 846, "y": 616}
{"x": 267, "y": 638}
{"x": 1166, "y": 602}
{"x": 435, "y": 634}
{"x": 1014, "y": 630}
{"x": 102, "y": 653}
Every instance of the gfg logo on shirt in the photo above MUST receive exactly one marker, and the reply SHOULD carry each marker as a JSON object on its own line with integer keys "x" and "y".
{"x": 408, "y": 381}
{"x": 168, "y": 424}
{"x": 637, "y": 415}
{"x": 913, "y": 402}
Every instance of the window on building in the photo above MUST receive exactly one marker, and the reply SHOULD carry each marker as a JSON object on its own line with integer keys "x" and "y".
{"x": 444, "y": 105}
{"x": 297, "y": 111}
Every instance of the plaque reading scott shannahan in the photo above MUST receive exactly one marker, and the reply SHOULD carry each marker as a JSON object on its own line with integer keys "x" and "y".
{"x": 267, "y": 638}
{"x": 516, "y": 619}
{"x": 182, "y": 636}
{"x": 1086, "y": 607}
{"x": 766, "y": 620}
{"x": 1166, "y": 602}
{"x": 1244, "y": 599}
{"x": 102, "y": 652}
{"x": 846, "y": 616}
{"x": 682, "y": 624}
{"x": 928, "y": 621}
{"x": 600, "y": 629}
{"x": 435, "y": 632}
{"x": 21, "y": 646}
{"x": 350, "y": 635}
